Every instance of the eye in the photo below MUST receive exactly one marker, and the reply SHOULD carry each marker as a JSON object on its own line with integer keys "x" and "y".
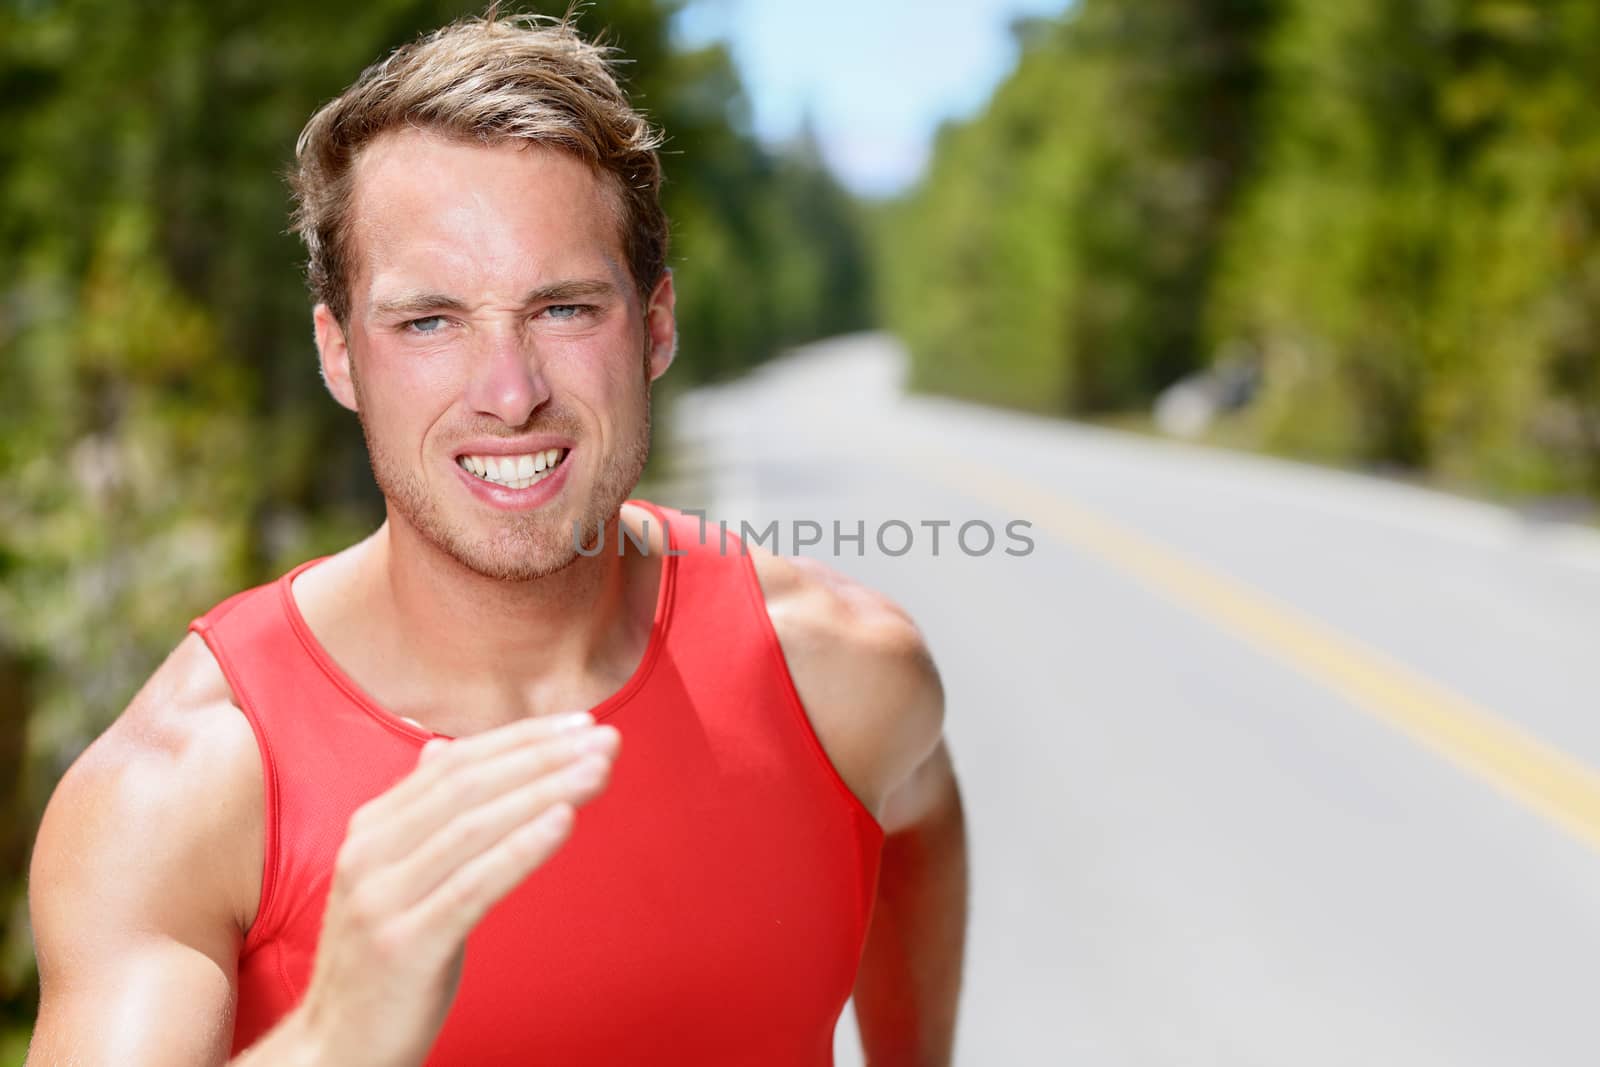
{"x": 431, "y": 324}
{"x": 567, "y": 312}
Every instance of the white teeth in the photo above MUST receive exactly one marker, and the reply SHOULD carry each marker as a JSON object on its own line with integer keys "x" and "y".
{"x": 515, "y": 472}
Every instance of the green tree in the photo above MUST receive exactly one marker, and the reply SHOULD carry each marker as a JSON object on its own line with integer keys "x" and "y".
{"x": 1061, "y": 252}
{"x": 1392, "y": 208}
{"x": 1416, "y": 264}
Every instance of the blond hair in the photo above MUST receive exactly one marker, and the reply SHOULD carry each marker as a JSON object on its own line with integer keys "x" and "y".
{"x": 486, "y": 79}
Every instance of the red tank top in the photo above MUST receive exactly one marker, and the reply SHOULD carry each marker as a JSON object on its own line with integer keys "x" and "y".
{"x": 710, "y": 907}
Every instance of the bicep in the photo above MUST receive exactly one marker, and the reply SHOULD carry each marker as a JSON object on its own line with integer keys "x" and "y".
{"x": 138, "y": 1000}
{"x": 132, "y": 924}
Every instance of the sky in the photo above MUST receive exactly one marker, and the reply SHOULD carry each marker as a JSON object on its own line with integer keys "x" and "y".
{"x": 875, "y": 76}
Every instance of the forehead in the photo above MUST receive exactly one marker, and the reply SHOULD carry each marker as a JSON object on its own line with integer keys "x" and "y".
{"x": 478, "y": 220}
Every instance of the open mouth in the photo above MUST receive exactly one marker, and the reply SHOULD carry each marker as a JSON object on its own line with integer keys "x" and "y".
{"x": 514, "y": 472}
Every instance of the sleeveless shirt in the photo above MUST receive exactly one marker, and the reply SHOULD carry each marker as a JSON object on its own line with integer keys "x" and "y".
{"x": 710, "y": 906}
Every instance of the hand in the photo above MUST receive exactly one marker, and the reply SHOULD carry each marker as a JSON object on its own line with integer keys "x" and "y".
{"x": 423, "y": 862}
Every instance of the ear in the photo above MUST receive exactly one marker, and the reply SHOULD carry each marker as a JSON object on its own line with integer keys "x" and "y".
{"x": 661, "y": 321}
{"x": 334, "y": 353}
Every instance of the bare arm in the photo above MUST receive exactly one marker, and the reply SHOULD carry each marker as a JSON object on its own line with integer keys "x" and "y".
{"x": 134, "y": 889}
{"x": 910, "y": 978}
{"x": 909, "y": 982}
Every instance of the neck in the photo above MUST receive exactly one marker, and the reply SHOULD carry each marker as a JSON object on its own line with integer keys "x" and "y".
{"x": 509, "y": 649}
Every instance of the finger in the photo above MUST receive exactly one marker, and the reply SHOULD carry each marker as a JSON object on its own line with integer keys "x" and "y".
{"x": 475, "y": 831}
{"x": 447, "y": 915}
{"x": 444, "y": 753}
{"x": 466, "y": 786}
{"x": 520, "y": 732}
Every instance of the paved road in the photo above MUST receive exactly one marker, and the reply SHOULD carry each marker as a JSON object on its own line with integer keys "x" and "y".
{"x": 1263, "y": 764}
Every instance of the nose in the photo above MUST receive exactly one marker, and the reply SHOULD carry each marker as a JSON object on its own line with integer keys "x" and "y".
{"x": 507, "y": 380}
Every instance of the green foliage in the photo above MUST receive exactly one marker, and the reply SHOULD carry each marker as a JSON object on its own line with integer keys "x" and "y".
{"x": 1392, "y": 207}
{"x": 165, "y": 438}
{"x": 1405, "y": 265}
{"x": 1059, "y": 254}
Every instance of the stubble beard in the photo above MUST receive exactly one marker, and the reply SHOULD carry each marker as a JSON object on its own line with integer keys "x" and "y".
{"x": 522, "y": 546}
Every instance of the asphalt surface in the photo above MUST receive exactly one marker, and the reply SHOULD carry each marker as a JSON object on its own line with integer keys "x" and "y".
{"x": 1263, "y": 764}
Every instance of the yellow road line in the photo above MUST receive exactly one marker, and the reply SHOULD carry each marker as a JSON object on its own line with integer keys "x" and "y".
{"x": 1543, "y": 778}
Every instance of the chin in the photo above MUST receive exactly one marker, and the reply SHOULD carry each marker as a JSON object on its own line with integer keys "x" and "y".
{"x": 520, "y": 553}
{"x": 508, "y": 567}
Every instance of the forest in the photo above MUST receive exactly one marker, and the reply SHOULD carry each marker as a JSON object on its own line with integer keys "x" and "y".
{"x": 1385, "y": 212}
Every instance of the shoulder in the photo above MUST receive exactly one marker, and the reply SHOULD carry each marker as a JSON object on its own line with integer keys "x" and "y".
{"x": 862, "y": 669}
{"x": 159, "y": 823}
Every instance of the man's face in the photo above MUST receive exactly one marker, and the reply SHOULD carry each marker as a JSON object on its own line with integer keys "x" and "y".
{"x": 493, "y": 319}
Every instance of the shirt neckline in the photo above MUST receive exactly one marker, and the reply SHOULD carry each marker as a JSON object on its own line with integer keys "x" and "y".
{"x": 336, "y": 674}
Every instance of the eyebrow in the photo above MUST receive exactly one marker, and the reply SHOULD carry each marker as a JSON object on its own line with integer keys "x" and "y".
{"x": 415, "y": 303}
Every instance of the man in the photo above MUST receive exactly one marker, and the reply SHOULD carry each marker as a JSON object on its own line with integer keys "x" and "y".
{"x": 340, "y": 825}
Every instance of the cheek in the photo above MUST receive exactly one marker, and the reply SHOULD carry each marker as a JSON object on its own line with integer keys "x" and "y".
{"x": 403, "y": 389}
{"x": 597, "y": 377}
{"x": 625, "y": 398}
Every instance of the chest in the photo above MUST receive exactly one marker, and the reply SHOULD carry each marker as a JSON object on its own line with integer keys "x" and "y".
{"x": 717, "y": 892}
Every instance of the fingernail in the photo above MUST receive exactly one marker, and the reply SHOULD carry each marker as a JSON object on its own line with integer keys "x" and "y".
{"x": 573, "y": 720}
{"x": 602, "y": 738}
